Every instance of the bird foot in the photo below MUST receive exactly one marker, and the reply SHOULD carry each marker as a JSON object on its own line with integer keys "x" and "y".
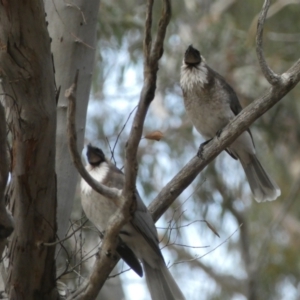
{"x": 201, "y": 149}
{"x": 219, "y": 132}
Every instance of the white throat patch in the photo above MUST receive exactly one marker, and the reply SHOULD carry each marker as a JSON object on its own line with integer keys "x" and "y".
{"x": 191, "y": 76}
{"x": 98, "y": 173}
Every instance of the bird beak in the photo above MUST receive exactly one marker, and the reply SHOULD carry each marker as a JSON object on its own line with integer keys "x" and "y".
{"x": 192, "y": 56}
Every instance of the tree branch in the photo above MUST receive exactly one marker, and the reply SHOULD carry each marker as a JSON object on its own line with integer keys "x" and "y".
{"x": 6, "y": 220}
{"x": 147, "y": 93}
{"x": 274, "y": 9}
{"x": 147, "y": 43}
{"x": 157, "y": 50}
{"x": 272, "y": 77}
{"x": 70, "y": 94}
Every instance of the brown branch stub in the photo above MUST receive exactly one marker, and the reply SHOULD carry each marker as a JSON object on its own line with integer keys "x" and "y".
{"x": 271, "y": 76}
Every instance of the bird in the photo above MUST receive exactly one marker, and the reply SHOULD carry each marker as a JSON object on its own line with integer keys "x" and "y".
{"x": 138, "y": 239}
{"x": 210, "y": 103}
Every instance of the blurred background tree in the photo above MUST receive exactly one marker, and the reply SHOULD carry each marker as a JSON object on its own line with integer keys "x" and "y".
{"x": 256, "y": 256}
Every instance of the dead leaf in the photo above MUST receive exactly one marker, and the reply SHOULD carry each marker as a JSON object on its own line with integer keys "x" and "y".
{"x": 154, "y": 135}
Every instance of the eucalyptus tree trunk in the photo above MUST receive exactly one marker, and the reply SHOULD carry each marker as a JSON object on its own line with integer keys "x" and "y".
{"x": 72, "y": 27}
{"x": 27, "y": 79}
{"x": 6, "y": 221}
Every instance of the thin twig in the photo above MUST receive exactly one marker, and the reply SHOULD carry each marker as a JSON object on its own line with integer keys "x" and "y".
{"x": 66, "y": 238}
{"x": 111, "y": 151}
{"x": 122, "y": 129}
{"x": 218, "y": 246}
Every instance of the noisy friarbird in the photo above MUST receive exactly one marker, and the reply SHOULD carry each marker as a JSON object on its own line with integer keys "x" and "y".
{"x": 138, "y": 238}
{"x": 211, "y": 103}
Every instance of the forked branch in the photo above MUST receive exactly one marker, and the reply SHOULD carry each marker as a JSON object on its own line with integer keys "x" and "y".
{"x": 107, "y": 255}
{"x": 151, "y": 59}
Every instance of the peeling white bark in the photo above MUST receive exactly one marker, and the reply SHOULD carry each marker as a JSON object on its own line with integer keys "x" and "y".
{"x": 72, "y": 27}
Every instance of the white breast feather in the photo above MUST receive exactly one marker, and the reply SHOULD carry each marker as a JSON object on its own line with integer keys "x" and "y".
{"x": 98, "y": 173}
{"x": 193, "y": 76}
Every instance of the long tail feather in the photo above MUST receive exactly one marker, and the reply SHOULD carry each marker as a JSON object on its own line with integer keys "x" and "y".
{"x": 262, "y": 185}
{"x": 161, "y": 284}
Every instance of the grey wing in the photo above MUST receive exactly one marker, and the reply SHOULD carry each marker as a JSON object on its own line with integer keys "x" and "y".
{"x": 129, "y": 257}
{"x": 142, "y": 221}
{"x": 234, "y": 101}
{"x": 236, "y": 109}
{"x": 235, "y": 104}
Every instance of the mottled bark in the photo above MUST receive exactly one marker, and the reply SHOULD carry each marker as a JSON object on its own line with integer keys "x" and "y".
{"x": 6, "y": 221}
{"x": 26, "y": 71}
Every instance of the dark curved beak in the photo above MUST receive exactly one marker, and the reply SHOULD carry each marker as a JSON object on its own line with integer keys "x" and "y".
{"x": 192, "y": 56}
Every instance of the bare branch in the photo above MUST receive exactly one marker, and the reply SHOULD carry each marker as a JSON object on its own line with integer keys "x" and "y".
{"x": 157, "y": 50}
{"x": 103, "y": 265}
{"x": 239, "y": 124}
{"x": 107, "y": 258}
{"x": 70, "y": 94}
{"x": 148, "y": 37}
{"x": 147, "y": 94}
{"x": 228, "y": 282}
{"x": 66, "y": 238}
{"x": 122, "y": 129}
{"x": 272, "y": 77}
{"x": 210, "y": 251}
{"x": 274, "y": 9}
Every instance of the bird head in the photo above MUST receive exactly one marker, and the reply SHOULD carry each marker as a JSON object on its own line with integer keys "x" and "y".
{"x": 192, "y": 56}
{"x": 94, "y": 155}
